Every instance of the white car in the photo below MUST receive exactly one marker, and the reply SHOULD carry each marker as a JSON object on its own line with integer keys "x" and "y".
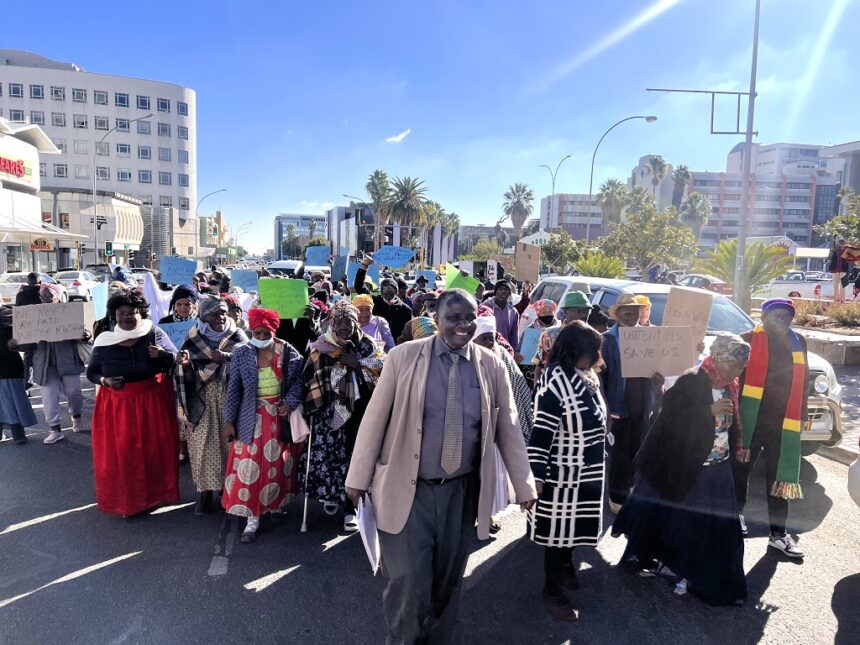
{"x": 11, "y": 283}
{"x": 78, "y": 284}
{"x": 854, "y": 481}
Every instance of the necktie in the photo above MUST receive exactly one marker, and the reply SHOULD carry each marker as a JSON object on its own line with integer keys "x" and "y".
{"x": 452, "y": 441}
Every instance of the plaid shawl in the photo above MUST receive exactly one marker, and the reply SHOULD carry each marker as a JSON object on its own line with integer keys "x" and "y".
{"x": 203, "y": 367}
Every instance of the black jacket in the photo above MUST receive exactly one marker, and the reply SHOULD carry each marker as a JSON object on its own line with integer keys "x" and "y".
{"x": 396, "y": 312}
{"x": 11, "y": 365}
{"x": 300, "y": 334}
{"x": 28, "y": 295}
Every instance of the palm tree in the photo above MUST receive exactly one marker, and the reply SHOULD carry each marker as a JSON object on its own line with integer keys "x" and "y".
{"x": 682, "y": 176}
{"x": 597, "y": 264}
{"x": 657, "y": 167}
{"x": 406, "y": 203}
{"x": 695, "y": 211}
{"x": 312, "y": 228}
{"x": 639, "y": 199}
{"x": 379, "y": 190}
{"x": 519, "y": 205}
{"x": 612, "y": 199}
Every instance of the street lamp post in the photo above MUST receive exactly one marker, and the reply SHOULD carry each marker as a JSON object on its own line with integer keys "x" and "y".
{"x": 552, "y": 198}
{"x": 95, "y": 177}
{"x": 648, "y": 119}
{"x": 200, "y": 201}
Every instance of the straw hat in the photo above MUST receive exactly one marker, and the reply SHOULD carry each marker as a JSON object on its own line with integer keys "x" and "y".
{"x": 624, "y": 300}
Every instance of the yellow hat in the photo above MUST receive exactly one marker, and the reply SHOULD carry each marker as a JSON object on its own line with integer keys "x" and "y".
{"x": 362, "y": 300}
{"x": 643, "y": 300}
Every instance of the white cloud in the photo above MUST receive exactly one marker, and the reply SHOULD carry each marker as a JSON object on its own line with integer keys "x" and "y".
{"x": 397, "y": 138}
{"x": 317, "y": 205}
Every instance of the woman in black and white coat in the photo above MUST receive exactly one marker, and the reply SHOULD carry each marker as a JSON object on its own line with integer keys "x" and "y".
{"x": 566, "y": 455}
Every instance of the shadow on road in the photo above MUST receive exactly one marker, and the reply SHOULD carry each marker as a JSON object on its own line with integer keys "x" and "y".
{"x": 846, "y": 607}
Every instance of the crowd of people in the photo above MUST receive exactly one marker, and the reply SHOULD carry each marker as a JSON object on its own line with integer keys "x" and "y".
{"x": 419, "y": 402}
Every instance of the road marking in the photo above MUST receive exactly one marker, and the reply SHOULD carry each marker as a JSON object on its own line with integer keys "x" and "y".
{"x": 267, "y": 581}
{"x": 44, "y": 518}
{"x": 167, "y": 509}
{"x": 223, "y": 547}
{"x": 337, "y": 540}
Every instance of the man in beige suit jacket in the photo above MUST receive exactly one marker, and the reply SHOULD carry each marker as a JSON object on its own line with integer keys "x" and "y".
{"x": 425, "y": 504}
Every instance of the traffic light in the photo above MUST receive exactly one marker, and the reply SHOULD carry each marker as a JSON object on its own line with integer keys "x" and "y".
{"x": 108, "y": 248}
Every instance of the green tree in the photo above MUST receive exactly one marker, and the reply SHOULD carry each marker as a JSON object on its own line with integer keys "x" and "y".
{"x": 312, "y": 227}
{"x": 518, "y": 205}
{"x": 290, "y": 244}
{"x": 649, "y": 238}
{"x": 657, "y": 167}
{"x": 560, "y": 252}
{"x": 407, "y": 204}
{"x": 762, "y": 263}
{"x": 695, "y": 211}
{"x": 682, "y": 176}
{"x": 317, "y": 241}
{"x": 596, "y": 264}
{"x": 483, "y": 250}
{"x": 847, "y": 224}
{"x": 640, "y": 199}
{"x": 379, "y": 191}
{"x": 612, "y": 199}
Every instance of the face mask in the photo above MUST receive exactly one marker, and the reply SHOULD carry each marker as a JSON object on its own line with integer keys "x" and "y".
{"x": 261, "y": 344}
{"x": 546, "y": 320}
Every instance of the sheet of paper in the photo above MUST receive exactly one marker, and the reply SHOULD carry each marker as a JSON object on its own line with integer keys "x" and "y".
{"x": 529, "y": 345}
{"x": 372, "y": 273}
{"x": 174, "y": 270}
{"x": 178, "y": 331}
{"x": 454, "y": 279}
{"x": 246, "y": 280}
{"x": 100, "y": 298}
{"x": 645, "y": 350}
{"x": 393, "y": 256}
{"x": 366, "y": 519}
{"x": 317, "y": 256}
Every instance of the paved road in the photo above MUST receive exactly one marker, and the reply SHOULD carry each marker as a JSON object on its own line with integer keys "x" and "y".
{"x": 849, "y": 378}
{"x": 69, "y": 573}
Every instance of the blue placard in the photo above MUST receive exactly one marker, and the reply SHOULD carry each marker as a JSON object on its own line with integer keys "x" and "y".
{"x": 429, "y": 274}
{"x": 244, "y": 279}
{"x": 529, "y": 345}
{"x": 338, "y": 268}
{"x": 393, "y": 256}
{"x": 317, "y": 256}
{"x": 174, "y": 270}
{"x": 178, "y": 331}
{"x": 100, "y": 298}
{"x": 372, "y": 272}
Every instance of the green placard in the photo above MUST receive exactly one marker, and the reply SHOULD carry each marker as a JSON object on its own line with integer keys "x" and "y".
{"x": 288, "y": 297}
{"x": 456, "y": 280}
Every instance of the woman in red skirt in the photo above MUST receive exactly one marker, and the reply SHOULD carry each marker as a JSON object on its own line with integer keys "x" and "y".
{"x": 265, "y": 385}
{"x": 134, "y": 433}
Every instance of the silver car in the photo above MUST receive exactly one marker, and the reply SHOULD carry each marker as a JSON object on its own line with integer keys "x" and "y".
{"x": 11, "y": 283}
{"x": 78, "y": 284}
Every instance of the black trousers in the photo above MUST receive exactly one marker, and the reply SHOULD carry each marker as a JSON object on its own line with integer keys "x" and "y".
{"x": 556, "y": 559}
{"x": 766, "y": 440}
{"x": 621, "y": 455}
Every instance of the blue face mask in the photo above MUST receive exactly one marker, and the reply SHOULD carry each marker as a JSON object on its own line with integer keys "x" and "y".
{"x": 261, "y": 344}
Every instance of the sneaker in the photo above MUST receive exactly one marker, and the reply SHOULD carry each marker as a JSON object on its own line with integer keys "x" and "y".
{"x": 559, "y": 607}
{"x": 349, "y": 523}
{"x": 53, "y": 437}
{"x": 77, "y": 424}
{"x": 785, "y": 544}
{"x": 250, "y": 533}
{"x": 680, "y": 587}
{"x": 744, "y": 531}
{"x": 615, "y": 508}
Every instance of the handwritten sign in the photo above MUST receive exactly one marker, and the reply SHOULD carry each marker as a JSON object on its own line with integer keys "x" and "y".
{"x": 100, "y": 298}
{"x": 317, "y": 256}
{"x": 54, "y": 322}
{"x": 689, "y": 308}
{"x": 454, "y": 279}
{"x": 645, "y": 350}
{"x": 528, "y": 262}
{"x": 529, "y": 344}
{"x": 430, "y": 275}
{"x": 175, "y": 270}
{"x": 393, "y": 256}
{"x": 244, "y": 279}
{"x": 352, "y": 269}
{"x": 178, "y": 331}
{"x": 288, "y": 297}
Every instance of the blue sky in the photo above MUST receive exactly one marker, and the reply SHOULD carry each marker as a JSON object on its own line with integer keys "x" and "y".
{"x": 297, "y": 99}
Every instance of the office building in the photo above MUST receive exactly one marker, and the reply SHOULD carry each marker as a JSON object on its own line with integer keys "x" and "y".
{"x": 571, "y": 212}
{"x": 304, "y": 227}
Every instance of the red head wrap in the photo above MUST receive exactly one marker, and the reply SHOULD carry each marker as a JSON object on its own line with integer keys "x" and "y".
{"x": 263, "y": 318}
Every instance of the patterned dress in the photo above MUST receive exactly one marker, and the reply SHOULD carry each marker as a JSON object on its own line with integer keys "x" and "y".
{"x": 566, "y": 454}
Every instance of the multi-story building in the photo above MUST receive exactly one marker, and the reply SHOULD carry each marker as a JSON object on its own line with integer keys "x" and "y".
{"x": 303, "y": 226}
{"x": 136, "y": 137}
{"x": 571, "y": 212}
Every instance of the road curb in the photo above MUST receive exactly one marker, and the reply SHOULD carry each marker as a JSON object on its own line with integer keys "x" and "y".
{"x": 838, "y": 453}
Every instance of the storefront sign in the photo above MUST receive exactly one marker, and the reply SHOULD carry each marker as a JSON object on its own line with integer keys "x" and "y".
{"x": 41, "y": 244}
{"x": 18, "y": 159}
{"x": 12, "y": 166}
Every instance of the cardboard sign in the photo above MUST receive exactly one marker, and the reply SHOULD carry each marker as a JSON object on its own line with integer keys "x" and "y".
{"x": 178, "y": 331}
{"x": 689, "y": 308}
{"x": 528, "y": 262}
{"x": 175, "y": 270}
{"x": 645, "y": 350}
{"x": 429, "y": 274}
{"x": 54, "y": 322}
{"x": 454, "y": 279}
{"x": 317, "y": 256}
{"x": 393, "y": 256}
{"x": 100, "y": 298}
{"x": 492, "y": 271}
{"x": 529, "y": 344}
{"x": 246, "y": 280}
{"x": 288, "y": 297}
{"x": 352, "y": 269}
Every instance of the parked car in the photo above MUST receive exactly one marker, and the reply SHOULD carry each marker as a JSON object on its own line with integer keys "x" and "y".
{"x": 798, "y": 284}
{"x": 11, "y": 283}
{"x": 102, "y": 271}
{"x": 286, "y": 268}
{"x": 706, "y": 282}
{"x": 78, "y": 284}
{"x": 854, "y": 481}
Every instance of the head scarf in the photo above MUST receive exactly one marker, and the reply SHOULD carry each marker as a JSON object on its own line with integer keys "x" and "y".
{"x": 545, "y": 307}
{"x": 55, "y": 289}
{"x": 777, "y": 303}
{"x": 231, "y": 300}
{"x": 726, "y": 347}
{"x": 267, "y": 318}
{"x": 209, "y": 305}
{"x": 362, "y": 300}
{"x": 423, "y": 327}
{"x": 730, "y": 347}
{"x": 341, "y": 310}
{"x": 485, "y": 325}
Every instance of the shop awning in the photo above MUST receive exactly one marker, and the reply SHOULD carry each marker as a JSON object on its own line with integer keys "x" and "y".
{"x": 47, "y": 231}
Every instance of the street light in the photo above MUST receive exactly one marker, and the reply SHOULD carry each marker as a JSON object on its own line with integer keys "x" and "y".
{"x": 95, "y": 177}
{"x": 553, "y": 175}
{"x": 648, "y": 119}
{"x": 197, "y": 208}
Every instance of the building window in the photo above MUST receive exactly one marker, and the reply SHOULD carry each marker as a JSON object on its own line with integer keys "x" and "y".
{"x": 61, "y": 170}
{"x": 146, "y": 199}
{"x": 163, "y": 105}
{"x": 144, "y": 152}
{"x": 37, "y": 91}
{"x": 61, "y": 144}
{"x": 16, "y": 115}
{"x": 142, "y": 102}
{"x": 43, "y": 169}
{"x": 164, "y": 178}
{"x": 184, "y": 204}
{"x": 145, "y": 177}
{"x": 165, "y": 201}
{"x": 123, "y": 174}
{"x": 79, "y": 95}
{"x": 144, "y": 127}
{"x": 183, "y": 180}
{"x": 182, "y": 156}
{"x": 103, "y": 173}
{"x": 120, "y": 99}
{"x": 122, "y": 125}
{"x": 101, "y": 123}
{"x": 182, "y": 108}
{"x": 102, "y": 148}
{"x": 79, "y": 121}
{"x": 37, "y": 117}
{"x": 164, "y": 154}
{"x": 82, "y": 172}
{"x": 80, "y": 146}
{"x": 181, "y": 131}
{"x": 58, "y": 119}
{"x": 16, "y": 90}
{"x": 100, "y": 97}
{"x": 163, "y": 129}
{"x": 123, "y": 150}
{"x": 58, "y": 93}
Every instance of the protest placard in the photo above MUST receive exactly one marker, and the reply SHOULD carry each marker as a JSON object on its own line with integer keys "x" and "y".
{"x": 528, "y": 262}
{"x": 288, "y": 297}
{"x": 317, "y": 256}
{"x": 529, "y": 345}
{"x": 53, "y": 322}
{"x": 454, "y": 279}
{"x": 645, "y": 350}
{"x": 430, "y": 274}
{"x": 393, "y": 256}
{"x": 689, "y": 308}
{"x": 178, "y": 331}
{"x": 372, "y": 273}
{"x": 174, "y": 270}
{"x": 100, "y": 298}
{"x": 338, "y": 268}
{"x": 246, "y": 280}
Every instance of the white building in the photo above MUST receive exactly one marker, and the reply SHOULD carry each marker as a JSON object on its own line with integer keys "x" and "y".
{"x": 137, "y": 137}
{"x": 571, "y": 211}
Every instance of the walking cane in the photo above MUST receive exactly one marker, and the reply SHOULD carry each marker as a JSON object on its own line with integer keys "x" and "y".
{"x": 307, "y": 472}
